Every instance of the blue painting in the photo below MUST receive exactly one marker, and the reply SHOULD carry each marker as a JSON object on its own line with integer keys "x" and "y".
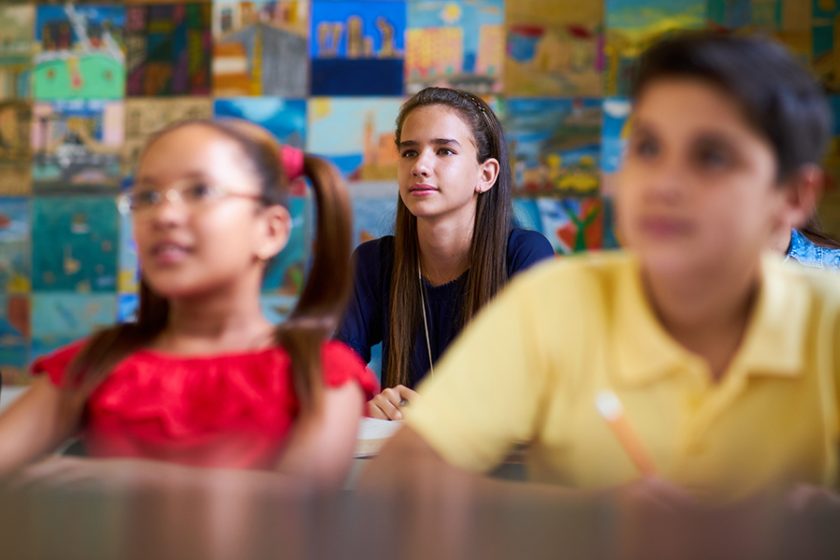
{"x": 284, "y": 118}
{"x": 62, "y": 318}
{"x": 14, "y": 338}
{"x": 75, "y": 244}
{"x": 357, "y": 48}
{"x": 555, "y": 144}
{"x": 614, "y": 132}
{"x": 286, "y": 272}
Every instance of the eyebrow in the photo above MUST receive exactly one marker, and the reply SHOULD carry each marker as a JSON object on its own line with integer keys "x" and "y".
{"x": 435, "y": 141}
{"x": 150, "y": 180}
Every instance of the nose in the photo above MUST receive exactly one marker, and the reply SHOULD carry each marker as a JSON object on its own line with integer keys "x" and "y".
{"x": 169, "y": 211}
{"x": 666, "y": 182}
{"x": 422, "y": 165}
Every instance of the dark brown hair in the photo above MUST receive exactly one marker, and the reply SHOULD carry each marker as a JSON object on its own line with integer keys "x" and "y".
{"x": 320, "y": 304}
{"x": 778, "y": 96}
{"x": 488, "y": 250}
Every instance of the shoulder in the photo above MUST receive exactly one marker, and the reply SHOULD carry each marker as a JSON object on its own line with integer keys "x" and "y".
{"x": 55, "y": 363}
{"x": 341, "y": 364}
{"x": 376, "y": 251}
{"x": 526, "y": 248}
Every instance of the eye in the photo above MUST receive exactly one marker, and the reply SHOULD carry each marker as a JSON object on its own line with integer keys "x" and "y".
{"x": 143, "y": 198}
{"x": 644, "y": 146}
{"x": 200, "y": 191}
{"x": 713, "y": 157}
{"x": 408, "y": 153}
{"x": 445, "y": 152}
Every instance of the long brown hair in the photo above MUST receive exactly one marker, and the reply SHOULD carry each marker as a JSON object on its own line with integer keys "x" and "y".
{"x": 488, "y": 249}
{"x": 813, "y": 230}
{"x": 320, "y": 304}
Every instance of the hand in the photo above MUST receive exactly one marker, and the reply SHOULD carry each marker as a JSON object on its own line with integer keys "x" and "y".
{"x": 73, "y": 472}
{"x": 386, "y": 405}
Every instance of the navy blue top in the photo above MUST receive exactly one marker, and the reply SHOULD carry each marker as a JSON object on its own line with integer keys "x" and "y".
{"x": 367, "y": 319}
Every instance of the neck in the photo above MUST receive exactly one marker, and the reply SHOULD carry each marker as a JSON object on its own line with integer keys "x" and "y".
{"x": 444, "y": 249}
{"x": 705, "y": 315}
{"x": 225, "y": 322}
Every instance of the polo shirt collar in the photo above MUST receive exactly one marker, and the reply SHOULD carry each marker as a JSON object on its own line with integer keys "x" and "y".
{"x": 773, "y": 343}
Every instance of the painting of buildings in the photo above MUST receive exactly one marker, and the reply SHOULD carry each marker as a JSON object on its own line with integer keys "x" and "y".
{"x": 80, "y": 53}
{"x": 169, "y": 49}
{"x": 554, "y": 145}
{"x": 76, "y": 145}
{"x": 364, "y": 150}
{"x": 456, "y": 44}
{"x": 250, "y": 37}
{"x": 357, "y": 48}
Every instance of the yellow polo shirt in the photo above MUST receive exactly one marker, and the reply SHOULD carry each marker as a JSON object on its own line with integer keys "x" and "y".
{"x": 529, "y": 367}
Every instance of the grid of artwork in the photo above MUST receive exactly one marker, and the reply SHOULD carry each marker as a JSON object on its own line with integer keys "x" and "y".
{"x": 83, "y": 85}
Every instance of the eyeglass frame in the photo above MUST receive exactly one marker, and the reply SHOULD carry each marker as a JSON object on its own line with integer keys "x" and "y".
{"x": 124, "y": 200}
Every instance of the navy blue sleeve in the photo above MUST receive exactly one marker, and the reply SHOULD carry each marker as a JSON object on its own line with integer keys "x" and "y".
{"x": 360, "y": 328}
{"x": 525, "y": 249}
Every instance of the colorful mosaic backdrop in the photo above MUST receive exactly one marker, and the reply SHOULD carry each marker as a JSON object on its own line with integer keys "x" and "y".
{"x": 83, "y": 84}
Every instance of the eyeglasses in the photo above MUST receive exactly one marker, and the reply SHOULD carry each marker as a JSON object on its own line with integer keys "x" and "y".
{"x": 192, "y": 193}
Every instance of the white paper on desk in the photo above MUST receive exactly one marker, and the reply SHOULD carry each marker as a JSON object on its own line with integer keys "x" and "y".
{"x": 373, "y": 433}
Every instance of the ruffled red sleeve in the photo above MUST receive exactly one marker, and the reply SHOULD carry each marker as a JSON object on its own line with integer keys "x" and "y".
{"x": 55, "y": 363}
{"x": 341, "y": 364}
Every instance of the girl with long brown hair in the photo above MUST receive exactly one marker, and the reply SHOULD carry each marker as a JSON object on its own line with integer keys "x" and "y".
{"x": 454, "y": 246}
{"x": 202, "y": 378}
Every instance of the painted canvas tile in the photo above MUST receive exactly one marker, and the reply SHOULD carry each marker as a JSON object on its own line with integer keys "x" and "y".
{"x": 146, "y": 115}
{"x": 730, "y": 14}
{"x": 455, "y": 43}
{"x": 128, "y": 274}
{"x": 76, "y": 145}
{"x": 74, "y": 246}
{"x": 554, "y": 48}
{"x": 277, "y": 308}
{"x": 14, "y": 245}
{"x": 260, "y": 47}
{"x": 285, "y": 118}
{"x": 357, "y": 135}
{"x": 614, "y": 132}
{"x": 169, "y": 49}
{"x": 826, "y": 42}
{"x": 632, "y": 25}
{"x": 15, "y": 147}
{"x": 61, "y": 318}
{"x": 572, "y": 225}
{"x": 127, "y": 305}
{"x": 358, "y": 48}
{"x": 286, "y": 272}
{"x": 373, "y": 217}
{"x": 554, "y": 144}
{"x": 80, "y": 52}
{"x": 17, "y": 47}
{"x": 14, "y": 338}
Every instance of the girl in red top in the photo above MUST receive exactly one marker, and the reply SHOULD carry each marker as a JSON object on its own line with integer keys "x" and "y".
{"x": 202, "y": 378}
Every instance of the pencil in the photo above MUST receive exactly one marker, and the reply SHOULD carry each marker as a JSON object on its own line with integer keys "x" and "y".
{"x": 611, "y": 410}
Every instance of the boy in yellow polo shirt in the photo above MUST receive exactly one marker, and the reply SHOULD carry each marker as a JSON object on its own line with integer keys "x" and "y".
{"x": 726, "y": 360}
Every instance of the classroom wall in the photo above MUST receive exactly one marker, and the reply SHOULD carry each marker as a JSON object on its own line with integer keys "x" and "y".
{"x": 82, "y": 85}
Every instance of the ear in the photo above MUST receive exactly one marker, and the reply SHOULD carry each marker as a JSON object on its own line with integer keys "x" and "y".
{"x": 801, "y": 194}
{"x": 274, "y": 230}
{"x": 488, "y": 171}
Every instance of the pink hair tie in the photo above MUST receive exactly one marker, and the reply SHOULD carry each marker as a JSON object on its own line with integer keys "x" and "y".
{"x": 292, "y": 160}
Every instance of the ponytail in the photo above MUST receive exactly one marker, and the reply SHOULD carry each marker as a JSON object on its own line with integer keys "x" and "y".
{"x": 327, "y": 287}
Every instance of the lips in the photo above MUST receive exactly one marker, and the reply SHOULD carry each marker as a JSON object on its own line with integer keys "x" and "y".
{"x": 421, "y": 189}
{"x": 169, "y": 252}
{"x": 662, "y": 226}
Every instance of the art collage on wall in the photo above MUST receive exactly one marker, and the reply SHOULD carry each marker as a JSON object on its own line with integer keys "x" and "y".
{"x": 83, "y": 85}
